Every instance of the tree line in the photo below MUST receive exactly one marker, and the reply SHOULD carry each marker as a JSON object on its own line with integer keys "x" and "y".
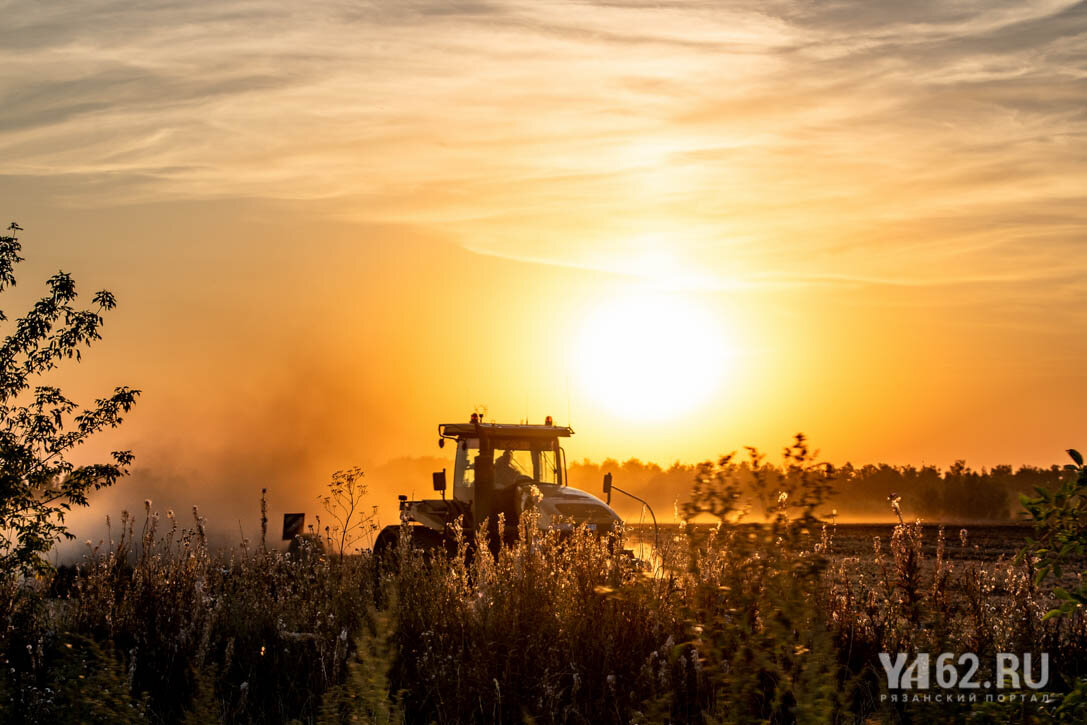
{"x": 957, "y": 493}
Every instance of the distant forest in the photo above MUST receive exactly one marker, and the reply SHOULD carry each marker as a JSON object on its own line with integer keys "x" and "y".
{"x": 959, "y": 493}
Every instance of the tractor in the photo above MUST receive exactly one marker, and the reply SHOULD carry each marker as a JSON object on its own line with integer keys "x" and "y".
{"x": 503, "y": 469}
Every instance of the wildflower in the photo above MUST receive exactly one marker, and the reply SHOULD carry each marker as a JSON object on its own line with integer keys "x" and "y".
{"x": 895, "y": 500}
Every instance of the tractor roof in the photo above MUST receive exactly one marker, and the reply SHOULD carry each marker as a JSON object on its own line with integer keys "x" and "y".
{"x": 503, "y": 430}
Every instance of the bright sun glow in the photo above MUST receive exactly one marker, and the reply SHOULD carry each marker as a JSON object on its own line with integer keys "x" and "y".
{"x": 650, "y": 356}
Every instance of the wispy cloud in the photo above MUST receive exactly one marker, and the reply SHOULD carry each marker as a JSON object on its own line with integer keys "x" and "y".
{"x": 917, "y": 144}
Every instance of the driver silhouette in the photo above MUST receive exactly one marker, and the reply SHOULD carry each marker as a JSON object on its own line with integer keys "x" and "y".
{"x": 505, "y": 471}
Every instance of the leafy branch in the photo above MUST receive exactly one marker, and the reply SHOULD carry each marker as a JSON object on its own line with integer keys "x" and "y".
{"x": 40, "y": 426}
{"x": 1060, "y": 524}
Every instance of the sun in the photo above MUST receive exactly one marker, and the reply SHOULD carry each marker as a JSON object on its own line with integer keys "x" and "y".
{"x": 651, "y": 355}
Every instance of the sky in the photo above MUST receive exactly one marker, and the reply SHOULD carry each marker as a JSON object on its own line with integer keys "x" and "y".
{"x": 683, "y": 227}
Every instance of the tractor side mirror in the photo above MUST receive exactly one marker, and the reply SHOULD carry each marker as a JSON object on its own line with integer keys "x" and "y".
{"x": 439, "y": 481}
{"x": 607, "y": 486}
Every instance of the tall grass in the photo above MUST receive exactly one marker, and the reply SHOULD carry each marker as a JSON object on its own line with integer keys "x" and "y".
{"x": 244, "y": 635}
{"x": 732, "y": 623}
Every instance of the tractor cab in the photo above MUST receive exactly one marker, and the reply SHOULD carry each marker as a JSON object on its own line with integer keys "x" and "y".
{"x": 514, "y": 454}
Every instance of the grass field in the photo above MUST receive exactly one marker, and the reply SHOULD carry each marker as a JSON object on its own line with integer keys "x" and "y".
{"x": 780, "y": 623}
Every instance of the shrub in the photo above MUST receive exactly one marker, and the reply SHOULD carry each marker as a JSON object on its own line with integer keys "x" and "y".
{"x": 40, "y": 427}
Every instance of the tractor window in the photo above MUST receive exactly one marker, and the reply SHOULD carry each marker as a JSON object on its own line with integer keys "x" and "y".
{"x": 464, "y": 475}
{"x": 512, "y": 466}
{"x": 548, "y": 468}
{"x": 515, "y": 461}
{"x": 524, "y": 462}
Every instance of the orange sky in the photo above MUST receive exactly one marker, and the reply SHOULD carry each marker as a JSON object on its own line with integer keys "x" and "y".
{"x": 331, "y": 228}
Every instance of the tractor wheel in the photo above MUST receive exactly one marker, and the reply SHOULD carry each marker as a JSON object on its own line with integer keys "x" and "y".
{"x": 386, "y": 556}
{"x": 428, "y": 541}
{"x": 385, "y": 545}
{"x": 423, "y": 539}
